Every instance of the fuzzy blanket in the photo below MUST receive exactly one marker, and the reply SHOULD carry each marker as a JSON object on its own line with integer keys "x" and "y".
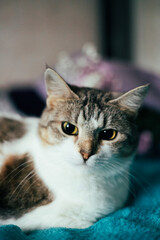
{"x": 139, "y": 219}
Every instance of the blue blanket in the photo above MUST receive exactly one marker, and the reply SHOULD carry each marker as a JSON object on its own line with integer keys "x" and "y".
{"x": 139, "y": 219}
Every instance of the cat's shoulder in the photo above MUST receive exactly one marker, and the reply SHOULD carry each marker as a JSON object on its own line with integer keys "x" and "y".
{"x": 13, "y": 126}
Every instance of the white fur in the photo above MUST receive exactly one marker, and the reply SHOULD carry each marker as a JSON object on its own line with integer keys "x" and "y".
{"x": 83, "y": 193}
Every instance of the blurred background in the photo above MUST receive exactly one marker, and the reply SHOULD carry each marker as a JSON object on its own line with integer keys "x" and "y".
{"x": 109, "y": 44}
{"x": 33, "y": 33}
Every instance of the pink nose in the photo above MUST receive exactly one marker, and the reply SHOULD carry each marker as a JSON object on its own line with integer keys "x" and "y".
{"x": 85, "y": 156}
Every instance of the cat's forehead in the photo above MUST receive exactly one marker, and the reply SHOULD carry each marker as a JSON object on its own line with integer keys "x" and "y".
{"x": 93, "y": 121}
{"x": 92, "y": 109}
{"x": 96, "y": 116}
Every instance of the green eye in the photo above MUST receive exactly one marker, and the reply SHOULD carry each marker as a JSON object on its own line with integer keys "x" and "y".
{"x": 108, "y": 134}
{"x": 69, "y": 128}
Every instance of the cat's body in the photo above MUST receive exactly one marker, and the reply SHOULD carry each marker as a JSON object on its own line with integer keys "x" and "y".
{"x": 63, "y": 170}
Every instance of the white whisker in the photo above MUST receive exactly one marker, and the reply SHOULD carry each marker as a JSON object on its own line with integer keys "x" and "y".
{"x": 19, "y": 185}
{"x": 14, "y": 170}
{"x": 24, "y": 184}
{"x": 31, "y": 183}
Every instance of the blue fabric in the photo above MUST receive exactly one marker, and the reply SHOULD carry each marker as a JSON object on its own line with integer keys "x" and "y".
{"x": 139, "y": 220}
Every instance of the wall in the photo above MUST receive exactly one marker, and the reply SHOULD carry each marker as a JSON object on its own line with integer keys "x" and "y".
{"x": 147, "y": 34}
{"x": 32, "y": 33}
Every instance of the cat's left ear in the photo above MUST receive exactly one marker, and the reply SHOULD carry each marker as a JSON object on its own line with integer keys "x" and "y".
{"x": 57, "y": 88}
{"x": 132, "y": 100}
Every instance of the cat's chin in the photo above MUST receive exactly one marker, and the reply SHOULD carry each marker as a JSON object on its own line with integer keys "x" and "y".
{"x": 84, "y": 164}
{"x": 79, "y": 162}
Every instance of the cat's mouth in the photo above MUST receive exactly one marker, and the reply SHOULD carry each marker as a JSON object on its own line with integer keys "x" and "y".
{"x": 84, "y": 162}
{"x": 90, "y": 162}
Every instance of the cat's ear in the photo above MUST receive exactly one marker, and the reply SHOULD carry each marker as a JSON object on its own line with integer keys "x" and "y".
{"x": 57, "y": 88}
{"x": 132, "y": 100}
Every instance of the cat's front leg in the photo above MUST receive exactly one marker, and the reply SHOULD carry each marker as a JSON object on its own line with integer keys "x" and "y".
{"x": 72, "y": 215}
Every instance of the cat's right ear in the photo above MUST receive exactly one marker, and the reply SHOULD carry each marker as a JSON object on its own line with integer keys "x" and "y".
{"x": 57, "y": 88}
{"x": 132, "y": 100}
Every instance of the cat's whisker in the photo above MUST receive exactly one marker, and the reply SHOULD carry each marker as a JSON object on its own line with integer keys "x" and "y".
{"x": 124, "y": 178}
{"x": 145, "y": 181}
{"x": 117, "y": 168}
{"x": 19, "y": 185}
{"x": 138, "y": 179}
{"x": 129, "y": 173}
{"x": 31, "y": 183}
{"x": 14, "y": 170}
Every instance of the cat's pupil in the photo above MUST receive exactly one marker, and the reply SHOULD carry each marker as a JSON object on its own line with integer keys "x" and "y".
{"x": 108, "y": 134}
{"x": 69, "y": 128}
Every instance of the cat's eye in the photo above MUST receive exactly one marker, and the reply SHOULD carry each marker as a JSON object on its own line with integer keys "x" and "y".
{"x": 108, "y": 134}
{"x": 69, "y": 128}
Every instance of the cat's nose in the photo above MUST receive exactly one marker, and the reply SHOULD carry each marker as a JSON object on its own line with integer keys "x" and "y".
{"x": 85, "y": 155}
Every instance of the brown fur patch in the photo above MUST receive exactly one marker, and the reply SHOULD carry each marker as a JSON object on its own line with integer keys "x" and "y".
{"x": 43, "y": 133}
{"x": 11, "y": 129}
{"x": 21, "y": 190}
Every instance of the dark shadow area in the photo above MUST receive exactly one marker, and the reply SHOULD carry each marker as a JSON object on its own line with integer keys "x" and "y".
{"x": 116, "y": 28}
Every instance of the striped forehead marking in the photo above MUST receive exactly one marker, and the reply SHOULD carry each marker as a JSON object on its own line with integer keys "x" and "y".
{"x": 95, "y": 121}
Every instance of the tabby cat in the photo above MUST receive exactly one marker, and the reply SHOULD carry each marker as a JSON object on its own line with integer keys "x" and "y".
{"x": 70, "y": 167}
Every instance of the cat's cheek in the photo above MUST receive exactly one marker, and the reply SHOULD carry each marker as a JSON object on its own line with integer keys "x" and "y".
{"x": 75, "y": 159}
{"x": 70, "y": 153}
{"x": 105, "y": 151}
{"x": 91, "y": 162}
{"x": 103, "y": 155}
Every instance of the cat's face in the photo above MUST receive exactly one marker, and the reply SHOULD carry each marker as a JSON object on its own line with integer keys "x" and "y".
{"x": 92, "y": 127}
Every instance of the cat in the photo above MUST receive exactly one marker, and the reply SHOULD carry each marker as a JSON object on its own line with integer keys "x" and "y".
{"x": 70, "y": 167}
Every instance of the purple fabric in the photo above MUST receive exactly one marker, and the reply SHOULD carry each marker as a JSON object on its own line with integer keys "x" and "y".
{"x": 110, "y": 76}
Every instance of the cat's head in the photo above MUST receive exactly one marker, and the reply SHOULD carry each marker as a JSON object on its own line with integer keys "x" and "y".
{"x": 90, "y": 126}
